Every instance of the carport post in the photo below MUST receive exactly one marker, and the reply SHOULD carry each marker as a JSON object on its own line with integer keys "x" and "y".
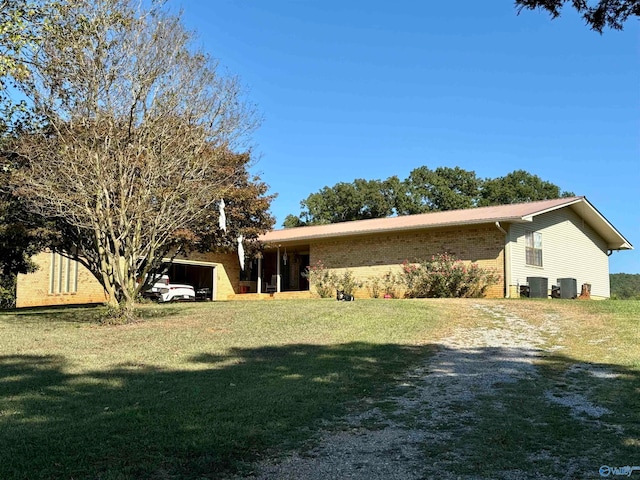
{"x": 278, "y": 272}
{"x": 259, "y": 283}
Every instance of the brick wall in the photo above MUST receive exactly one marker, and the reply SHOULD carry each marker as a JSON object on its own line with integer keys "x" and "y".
{"x": 227, "y": 271}
{"x": 374, "y": 255}
{"x": 34, "y": 289}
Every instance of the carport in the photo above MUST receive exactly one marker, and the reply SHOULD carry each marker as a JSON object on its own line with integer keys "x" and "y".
{"x": 199, "y": 274}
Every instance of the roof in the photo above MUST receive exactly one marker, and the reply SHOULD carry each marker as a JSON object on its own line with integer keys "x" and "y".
{"x": 513, "y": 213}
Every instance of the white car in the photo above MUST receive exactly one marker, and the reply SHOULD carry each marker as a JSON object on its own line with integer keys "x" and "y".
{"x": 165, "y": 291}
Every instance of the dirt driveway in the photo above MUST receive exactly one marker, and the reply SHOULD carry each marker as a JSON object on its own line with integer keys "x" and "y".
{"x": 417, "y": 433}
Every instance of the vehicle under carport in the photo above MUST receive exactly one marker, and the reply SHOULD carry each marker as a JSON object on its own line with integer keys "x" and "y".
{"x": 201, "y": 275}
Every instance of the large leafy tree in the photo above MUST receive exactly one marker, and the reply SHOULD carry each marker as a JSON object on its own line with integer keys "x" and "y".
{"x": 135, "y": 140}
{"x": 424, "y": 190}
{"x": 444, "y": 188}
{"x": 358, "y": 200}
{"x": 517, "y": 187}
{"x": 597, "y": 14}
{"x": 247, "y": 204}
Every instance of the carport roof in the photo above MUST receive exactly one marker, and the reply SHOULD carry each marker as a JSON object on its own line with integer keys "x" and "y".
{"x": 513, "y": 213}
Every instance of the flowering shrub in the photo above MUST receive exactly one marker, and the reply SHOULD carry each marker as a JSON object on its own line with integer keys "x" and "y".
{"x": 323, "y": 279}
{"x": 444, "y": 276}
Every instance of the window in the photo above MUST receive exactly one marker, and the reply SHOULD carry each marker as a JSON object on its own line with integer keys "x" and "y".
{"x": 534, "y": 248}
{"x": 63, "y": 277}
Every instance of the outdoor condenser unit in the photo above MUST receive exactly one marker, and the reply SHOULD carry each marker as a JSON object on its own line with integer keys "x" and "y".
{"x": 568, "y": 287}
{"x": 538, "y": 287}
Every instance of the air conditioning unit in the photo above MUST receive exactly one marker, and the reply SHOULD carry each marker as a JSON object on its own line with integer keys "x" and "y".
{"x": 568, "y": 287}
{"x": 538, "y": 287}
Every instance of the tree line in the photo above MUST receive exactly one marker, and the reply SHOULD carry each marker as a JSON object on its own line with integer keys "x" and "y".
{"x": 625, "y": 286}
{"x": 424, "y": 190}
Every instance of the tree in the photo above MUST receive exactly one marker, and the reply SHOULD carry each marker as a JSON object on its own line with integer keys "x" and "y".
{"x": 605, "y": 13}
{"x": 625, "y": 286}
{"x": 135, "y": 148}
{"x": 444, "y": 188}
{"x": 246, "y": 209}
{"x": 424, "y": 190}
{"x": 292, "y": 221}
{"x": 517, "y": 187}
{"x": 23, "y": 24}
{"x": 21, "y": 235}
{"x": 359, "y": 200}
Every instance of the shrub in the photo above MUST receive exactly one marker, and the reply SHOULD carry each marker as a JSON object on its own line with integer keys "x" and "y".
{"x": 347, "y": 283}
{"x": 323, "y": 279}
{"x": 445, "y": 276}
{"x": 390, "y": 284}
{"x": 374, "y": 286}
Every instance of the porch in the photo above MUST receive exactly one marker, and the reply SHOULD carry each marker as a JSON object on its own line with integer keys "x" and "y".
{"x": 276, "y": 272}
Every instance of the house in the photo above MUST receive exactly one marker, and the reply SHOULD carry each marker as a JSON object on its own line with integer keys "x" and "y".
{"x": 524, "y": 244}
{"x": 565, "y": 238}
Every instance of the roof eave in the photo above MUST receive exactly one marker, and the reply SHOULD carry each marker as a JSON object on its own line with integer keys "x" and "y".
{"x": 355, "y": 233}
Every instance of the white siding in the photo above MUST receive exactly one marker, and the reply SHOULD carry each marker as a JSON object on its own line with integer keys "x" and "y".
{"x": 570, "y": 249}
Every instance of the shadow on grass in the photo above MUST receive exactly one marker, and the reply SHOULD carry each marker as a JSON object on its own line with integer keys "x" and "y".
{"x": 563, "y": 419}
{"x": 141, "y": 422}
{"x": 88, "y": 313}
{"x": 81, "y": 313}
{"x": 137, "y": 422}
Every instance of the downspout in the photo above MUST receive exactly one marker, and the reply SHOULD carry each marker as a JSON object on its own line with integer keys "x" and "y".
{"x": 507, "y": 261}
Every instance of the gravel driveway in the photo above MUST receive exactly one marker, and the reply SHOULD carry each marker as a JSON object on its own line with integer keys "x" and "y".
{"x": 434, "y": 408}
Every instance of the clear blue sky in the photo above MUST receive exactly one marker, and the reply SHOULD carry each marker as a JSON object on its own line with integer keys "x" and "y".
{"x": 352, "y": 89}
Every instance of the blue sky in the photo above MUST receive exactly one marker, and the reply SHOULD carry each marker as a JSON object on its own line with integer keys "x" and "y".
{"x": 353, "y": 89}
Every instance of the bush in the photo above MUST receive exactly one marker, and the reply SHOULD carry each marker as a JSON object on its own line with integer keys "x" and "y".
{"x": 443, "y": 276}
{"x": 347, "y": 283}
{"x": 326, "y": 282}
{"x": 391, "y": 284}
{"x": 374, "y": 286}
{"x": 323, "y": 279}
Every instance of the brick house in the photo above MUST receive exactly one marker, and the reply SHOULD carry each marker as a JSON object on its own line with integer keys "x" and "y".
{"x": 564, "y": 238}
{"x": 550, "y": 239}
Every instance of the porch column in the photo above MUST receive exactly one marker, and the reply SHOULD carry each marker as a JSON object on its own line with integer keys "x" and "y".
{"x": 259, "y": 283}
{"x": 278, "y": 272}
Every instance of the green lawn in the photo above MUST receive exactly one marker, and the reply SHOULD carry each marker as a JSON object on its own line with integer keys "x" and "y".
{"x": 199, "y": 390}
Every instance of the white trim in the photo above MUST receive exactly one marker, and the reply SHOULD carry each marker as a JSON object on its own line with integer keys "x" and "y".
{"x": 278, "y": 275}
{"x": 191, "y": 262}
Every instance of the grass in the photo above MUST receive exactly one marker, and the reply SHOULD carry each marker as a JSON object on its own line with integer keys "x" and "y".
{"x": 516, "y": 429}
{"x": 202, "y": 390}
